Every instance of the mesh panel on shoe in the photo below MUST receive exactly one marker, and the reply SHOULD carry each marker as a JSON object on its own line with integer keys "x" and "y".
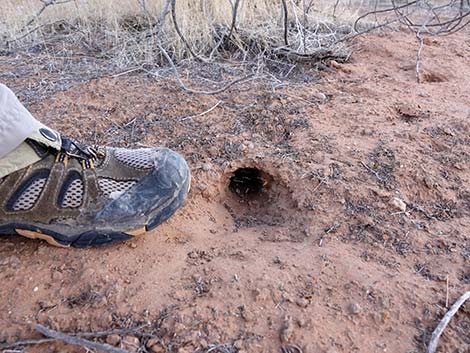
{"x": 139, "y": 159}
{"x": 30, "y": 196}
{"x": 29, "y": 192}
{"x": 74, "y": 195}
{"x": 109, "y": 186}
{"x": 71, "y": 194}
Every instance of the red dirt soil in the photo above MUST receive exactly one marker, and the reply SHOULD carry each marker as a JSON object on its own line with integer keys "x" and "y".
{"x": 323, "y": 258}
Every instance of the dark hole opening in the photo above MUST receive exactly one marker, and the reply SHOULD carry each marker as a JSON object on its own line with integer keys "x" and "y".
{"x": 246, "y": 182}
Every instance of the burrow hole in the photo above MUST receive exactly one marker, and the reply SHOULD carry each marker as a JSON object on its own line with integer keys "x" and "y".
{"x": 256, "y": 197}
{"x": 259, "y": 197}
{"x": 249, "y": 183}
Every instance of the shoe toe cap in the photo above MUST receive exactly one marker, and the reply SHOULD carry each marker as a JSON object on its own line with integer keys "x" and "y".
{"x": 168, "y": 179}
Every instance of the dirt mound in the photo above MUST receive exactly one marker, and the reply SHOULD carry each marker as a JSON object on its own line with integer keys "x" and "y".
{"x": 324, "y": 216}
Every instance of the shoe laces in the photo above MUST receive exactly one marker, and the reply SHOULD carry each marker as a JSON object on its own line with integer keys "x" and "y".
{"x": 80, "y": 151}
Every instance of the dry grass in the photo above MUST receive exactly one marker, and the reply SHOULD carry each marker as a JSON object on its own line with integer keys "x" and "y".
{"x": 124, "y": 30}
{"x": 267, "y": 37}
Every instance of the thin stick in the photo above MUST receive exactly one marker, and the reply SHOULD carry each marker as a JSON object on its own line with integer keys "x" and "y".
{"x": 81, "y": 334}
{"x": 24, "y": 35}
{"x": 203, "y": 113}
{"x": 322, "y": 181}
{"x": 286, "y": 23}
{"x": 375, "y": 12}
{"x": 45, "y": 5}
{"x": 25, "y": 343}
{"x": 78, "y": 341}
{"x": 128, "y": 71}
{"x": 180, "y": 34}
{"x": 190, "y": 90}
{"x": 445, "y": 321}
{"x": 372, "y": 171}
{"x": 304, "y": 24}
{"x": 334, "y": 8}
{"x": 167, "y": 56}
{"x": 232, "y": 27}
{"x": 234, "y": 19}
{"x": 418, "y": 56}
{"x": 119, "y": 331}
{"x": 447, "y": 291}
{"x": 161, "y": 20}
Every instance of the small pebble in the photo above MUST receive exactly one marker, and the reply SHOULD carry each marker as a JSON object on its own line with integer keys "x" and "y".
{"x": 113, "y": 340}
{"x": 320, "y": 96}
{"x": 302, "y": 302}
{"x": 398, "y": 203}
{"x": 130, "y": 343}
{"x": 428, "y": 182}
{"x": 354, "y": 308}
{"x": 57, "y": 276}
{"x": 238, "y": 344}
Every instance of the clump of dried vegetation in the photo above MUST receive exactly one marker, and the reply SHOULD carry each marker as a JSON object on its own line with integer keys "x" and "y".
{"x": 128, "y": 30}
{"x": 142, "y": 35}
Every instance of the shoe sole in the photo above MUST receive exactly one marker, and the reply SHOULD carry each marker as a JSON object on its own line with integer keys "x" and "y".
{"x": 99, "y": 237}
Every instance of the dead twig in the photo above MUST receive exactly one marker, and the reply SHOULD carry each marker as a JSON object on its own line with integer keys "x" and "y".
{"x": 445, "y": 321}
{"x": 447, "y": 291}
{"x": 81, "y": 334}
{"x": 286, "y": 23}
{"x": 232, "y": 28}
{"x": 180, "y": 34}
{"x": 319, "y": 54}
{"x": 35, "y": 29}
{"x": 119, "y": 331}
{"x": 423, "y": 18}
{"x": 25, "y": 343}
{"x": 173, "y": 65}
{"x": 372, "y": 171}
{"x": 190, "y": 90}
{"x": 421, "y": 210}
{"x": 203, "y": 113}
{"x": 73, "y": 340}
{"x": 322, "y": 181}
{"x": 139, "y": 68}
{"x": 418, "y": 55}
{"x": 45, "y": 5}
{"x": 375, "y": 12}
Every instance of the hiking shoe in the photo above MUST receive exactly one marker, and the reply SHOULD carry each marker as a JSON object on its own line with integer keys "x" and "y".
{"x": 81, "y": 196}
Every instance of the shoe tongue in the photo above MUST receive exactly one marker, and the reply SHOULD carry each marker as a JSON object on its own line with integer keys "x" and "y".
{"x": 39, "y": 148}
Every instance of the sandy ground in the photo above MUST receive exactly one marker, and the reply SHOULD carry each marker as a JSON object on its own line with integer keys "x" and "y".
{"x": 359, "y": 240}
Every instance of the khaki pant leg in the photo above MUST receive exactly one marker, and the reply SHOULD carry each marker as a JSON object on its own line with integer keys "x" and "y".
{"x": 16, "y": 123}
